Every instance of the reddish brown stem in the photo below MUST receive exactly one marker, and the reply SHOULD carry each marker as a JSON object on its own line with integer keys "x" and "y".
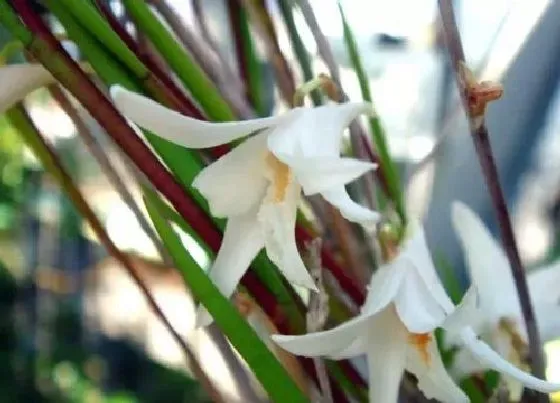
{"x": 178, "y": 100}
{"x": 481, "y": 140}
{"x": 72, "y": 191}
{"x": 46, "y": 49}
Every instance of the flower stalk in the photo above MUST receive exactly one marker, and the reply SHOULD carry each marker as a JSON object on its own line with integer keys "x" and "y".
{"x": 479, "y": 134}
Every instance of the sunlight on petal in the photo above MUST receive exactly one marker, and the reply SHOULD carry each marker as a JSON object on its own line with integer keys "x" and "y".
{"x": 386, "y": 356}
{"x": 487, "y": 264}
{"x": 490, "y": 358}
{"x": 415, "y": 305}
{"x": 349, "y": 209}
{"x": 183, "y": 130}
{"x": 326, "y": 342}
{"x": 317, "y": 132}
{"x": 242, "y": 241}
{"x": 277, "y": 219}
{"x": 318, "y": 174}
{"x": 235, "y": 183}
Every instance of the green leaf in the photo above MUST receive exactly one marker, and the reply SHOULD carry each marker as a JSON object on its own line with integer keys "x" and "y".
{"x": 91, "y": 20}
{"x": 254, "y": 72}
{"x": 12, "y": 23}
{"x": 379, "y": 137}
{"x": 267, "y": 369}
{"x": 171, "y": 215}
{"x": 186, "y": 68}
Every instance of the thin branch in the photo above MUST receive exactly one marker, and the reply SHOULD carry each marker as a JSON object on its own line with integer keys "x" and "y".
{"x": 205, "y": 32}
{"x": 51, "y": 162}
{"x": 164, "y": 88}
{"x": 214, "y": 65}
{"x": 318, "y": 314}
{"x": 348, "y": 245}
{"x": 264, "y": 26}
{"x": 474, "y": 103}
{"x": 321, "y": 40}
{"x": 107, "y": 167}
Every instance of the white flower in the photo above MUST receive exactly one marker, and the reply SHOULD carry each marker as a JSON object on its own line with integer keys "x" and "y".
{"x": 19, "y": 80}
{"x": 258, "y": 185}
{"x": 501, "y": 321}
{"x": 395, "y": 328}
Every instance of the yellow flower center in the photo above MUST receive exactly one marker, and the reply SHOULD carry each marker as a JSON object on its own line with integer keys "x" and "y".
{"x": 280, "y": 177}
{"x": 519, "y": 351}
{"x": 421, "y": 342}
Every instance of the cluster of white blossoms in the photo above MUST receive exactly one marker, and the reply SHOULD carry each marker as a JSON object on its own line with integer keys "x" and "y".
{"x": 257, "y": 186}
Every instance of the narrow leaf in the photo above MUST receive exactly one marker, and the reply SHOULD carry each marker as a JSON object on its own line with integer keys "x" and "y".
{"x": 188, "y": 71}
{"x": 379, "y": 137}
{"x": 287, "y": 10}
{"x": 88, "y": 16}
{"x": 271, "y": 374}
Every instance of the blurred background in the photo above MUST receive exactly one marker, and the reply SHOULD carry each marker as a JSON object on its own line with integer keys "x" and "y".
{"x": 73, "y": 326}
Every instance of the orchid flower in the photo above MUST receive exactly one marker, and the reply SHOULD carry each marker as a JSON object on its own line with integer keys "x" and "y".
{"x": 501, "y": 321}
{"x": 19, "y": 80}
{"x": 395, "y": 328}
{"x": 258, "y": 184}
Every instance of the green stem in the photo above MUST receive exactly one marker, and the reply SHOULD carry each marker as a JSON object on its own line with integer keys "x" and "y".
{"x": 286, "y": 8}
{"x": 248, "y": 62}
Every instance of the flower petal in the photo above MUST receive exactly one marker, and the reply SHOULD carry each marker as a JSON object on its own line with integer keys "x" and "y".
{"x": 467, "y": 313}
{"x": 17, "y": 81}
{"x": 386, "y": 356}
{"x": 349, "y": 209}
{"x": 383, "y": 288}
{"x": 317, "y": 131}
{"x": 416, "y": 252}
{"x": 318, "y": 174}
{"x": 491, "y": 359}
{"x": 278, "y": 219}
{"x": 358, "y": 347}
{"x": 235, "y": 183}
{"x": 416, "y": 307}
{"x": 327, "y": 342}
{"x": 433, "y": 379}
{"x": 181, "y": 129}
{"x": 488, "y": 266}
{"x": 242, "y": 241}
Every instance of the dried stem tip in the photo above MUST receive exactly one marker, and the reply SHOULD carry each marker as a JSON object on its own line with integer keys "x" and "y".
{"x": 478, "y": 94}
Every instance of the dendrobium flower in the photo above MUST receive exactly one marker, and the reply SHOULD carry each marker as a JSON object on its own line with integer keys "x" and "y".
{"x": 395, "y": 328}
{"x": 500, "y": 319}
{"x": 258, "y": 185}
{"x": 19, "y": 80}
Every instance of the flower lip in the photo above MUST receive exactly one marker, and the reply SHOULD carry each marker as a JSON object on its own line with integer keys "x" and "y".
{"x": 257, "y": 185}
